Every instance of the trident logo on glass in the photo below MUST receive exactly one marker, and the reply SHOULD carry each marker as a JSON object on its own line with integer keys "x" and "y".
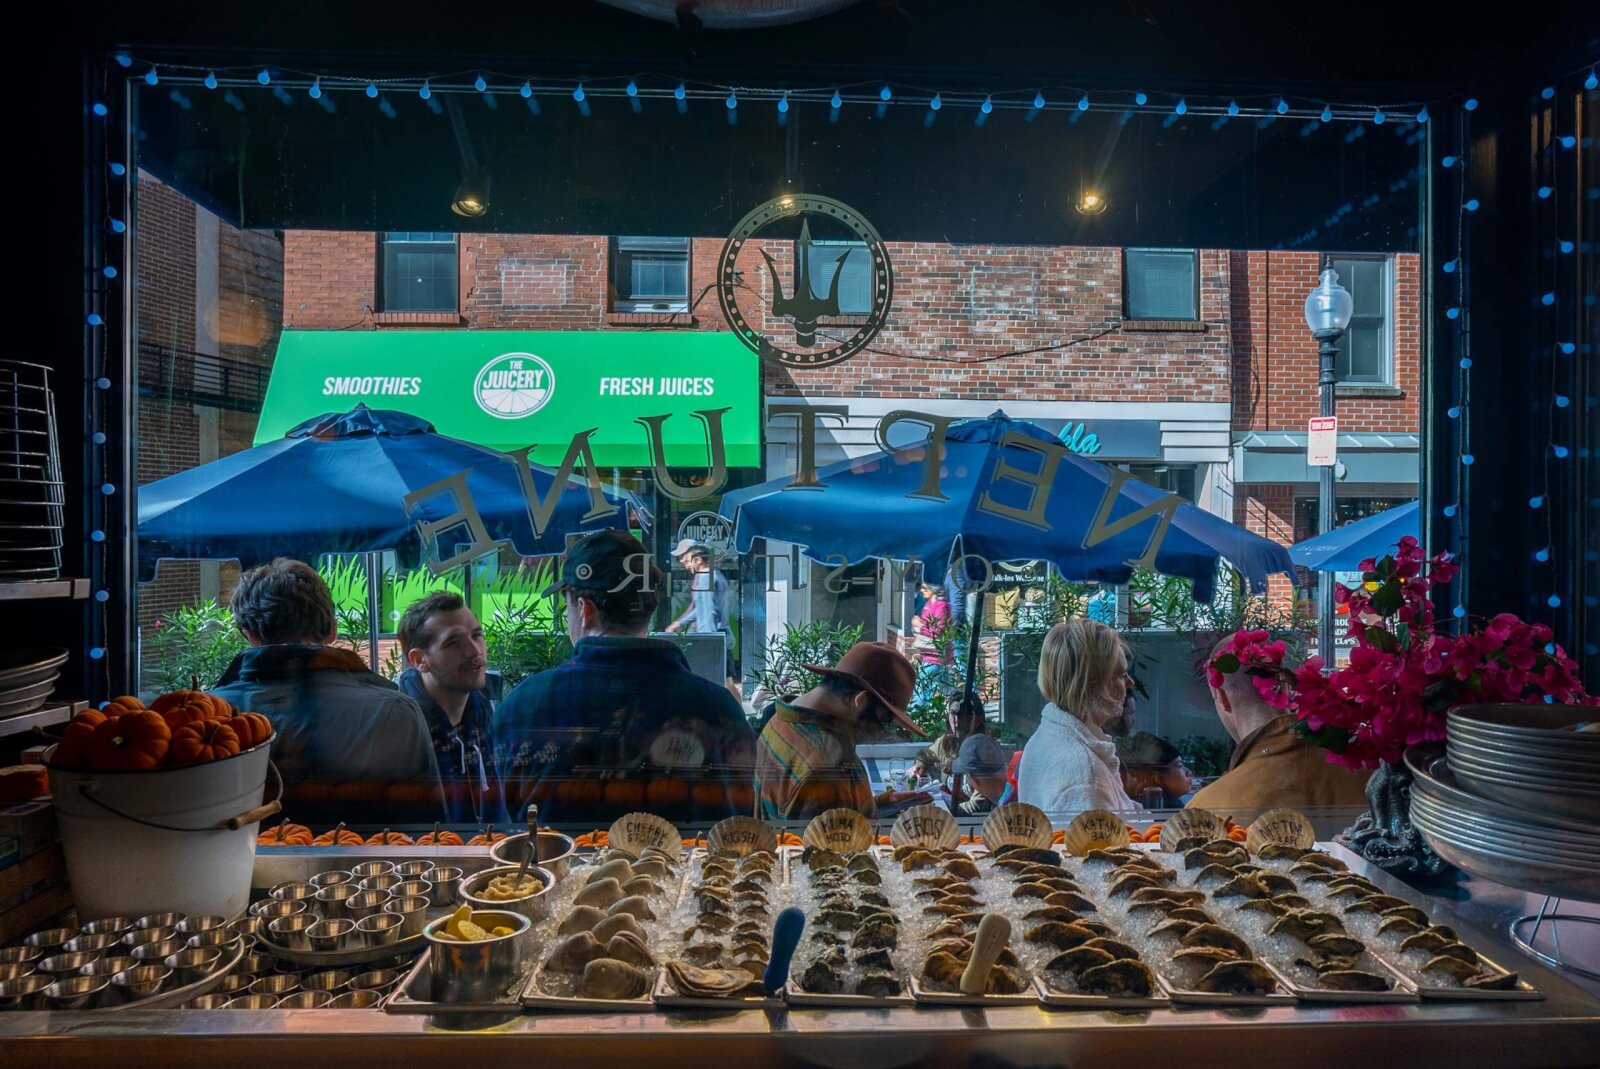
{"x": 805, "y": 307}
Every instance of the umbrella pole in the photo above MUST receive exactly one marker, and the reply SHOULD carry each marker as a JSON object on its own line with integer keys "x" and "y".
{"x": 972, "y": 643}
{"x": 374, "y": 609}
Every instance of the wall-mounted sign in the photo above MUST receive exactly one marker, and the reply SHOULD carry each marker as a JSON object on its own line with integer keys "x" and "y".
{"x": 1107, "y": 439}
{"x": 1322, "y": 442}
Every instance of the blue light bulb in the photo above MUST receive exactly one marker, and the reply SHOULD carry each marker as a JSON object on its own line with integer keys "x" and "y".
{"x": 1554, "y": 601}
{"x": 836, "y": 101}
{"x": 1471, "y": 205}
{"x": 1544, "y": 192}
{"x": 1141, "y": 99}
{"x": 107, "y": 489}
{"x": 1454, "y": 412}
{"x": 93, "y": 319}
{"x": 1542, "y": 555}
{"x": 1467, "y": 459}
{"x": 1450, "y": 267}
{"x": 98, "y": 437}
{"x": 885, "y": 94}
{"x": 316, "y": 89}
{"x": 1448, "y": 162}
{"x": 1466, "y": 362}
{"x": 97, "y": 536}
{"x": 1471, "y": 104}
{"x": 1452, "y": 313}
{"x": 1378, "y": 117}
{"x": 1083, "y": 102}
{"x": 1233, "y": 107}
{"x": 936, "y": 103}
{"x": 1038, "y": 100}
{"x": 987, "y": 106}
{"x": 117, "y": 226}
{"x": 1327, "y": 113}
{"x": 479, "y": 83}
{"x": 97, "y": 653}
{"x": 577, "y": 94}
{"x": 425, "y": 91}
{"x": 1283, "y": 106}
{"x": 102, "y": 383}
{"x": 264, "y": 76}
{"x": 1535, "y": 502}
{"x": 124, "y": 60}
{"x": 1548, "y": 92}
{"x": 732, "y": 101}
{"x": 1449, "y": 510}
{"x": 1568, "y": 141}
{"x": 1548, "y": 299}
{"x": 1460, "y": 612}
{"x": 151, "y": 77}
{"x": 1562, "y": 400}
{"x": 1182, "y": 108}
{"x": 783, "y": 106}
{"x": 109, "y": 271}
{"x": 1565, "y": 246}
{"x": 102, "y": 596}
{"x": 1590, "y": 82}
{"x": 526, "y": 92}
{"x": 211, "y": 79}
{"x": 1560, "y": 451}
{"x": 1568, "y": 348}
{"x": 99, "y": 109}
{"x": 1422, "y": 116}
{"x": 680, "y": 92}
{"x": 372, "y": 91}
{"x": 633, "y": 88}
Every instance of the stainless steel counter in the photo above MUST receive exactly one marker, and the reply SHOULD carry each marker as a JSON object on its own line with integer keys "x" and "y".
{"x": 1561, "y": 1030}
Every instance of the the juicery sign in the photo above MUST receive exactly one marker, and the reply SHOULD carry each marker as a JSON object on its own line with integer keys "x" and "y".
{"x": 514, "y": 385}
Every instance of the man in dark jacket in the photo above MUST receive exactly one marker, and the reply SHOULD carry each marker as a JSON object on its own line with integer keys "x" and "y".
{"x": 350, "y": 746}
{"x": 442, "y": 642}
{"x": 625, "y": 724}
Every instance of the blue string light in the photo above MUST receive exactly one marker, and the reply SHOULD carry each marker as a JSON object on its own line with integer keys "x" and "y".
{"x": 1568, "y": 348}
{"x": 1083, "y": 102}
{"x": 1449, "y": 267}
{"x": 107, "y": 489}
{"x": 936, "y": 103}
{"x": 1422, "y": 115}
{"x": 1467, "y": 459}
{"x": 1554, "y": 601}
{"x": 1548, "y": 299}
{"x": 97, "y": 536}
{"x": 117, "y": 226}
{"x": 1454, "y": 412}
{"x": 426, "y": 91}
{"x": 526, "y": 92}
{"x": 1591, "y": 82}
{"x": 102, "y": 596}
{"x": 93, "y": 319}
{"x": 1535, "y": 502}
{"x": 1542, "y": 555}
{"x": 1466, "y": 362}
{"x": 1568, "y": 141}
{"x": 1141, "y": 99}
{"x": 123, "y": 59}
{"x": 1548, "y": 92}
{"x": 118, "y": 169}
{"x": 1283, "y": 106}
{"x": 99, "y": 109}
{"x": 836, "y": 101}
{"x": 316, "y": 89}
{"x": 211, "y": 80}
{"x": 372, "y": 91}
{"x": 1182, "y": 108}
{"x": 680, "y": 92}
{"x": 986, "y": 107}
{"x": 97, "y": 652}
{"x": 578, "y": 94}
{"x": 109, "y": 271}
{"x": 98, "y": 437}
{"x": 783, "y": 105}
{"x": 1472, "y": 205}
{"x": 480, "y": 83}
{"x": 1038, "y": 101}
{"x": 1471, "y": 104}
{"x": 102, "y": 383}
{"x": 151, "y": 77}
{"x": 1544, "y": 192}
{"x": 1378, "y": 117}
{"x": 264, "y": 77}
{"x": 633, "y": 88}
{"x": 1327, "y": 113}
{"x": 1448, "y": 162}
{"x": 1450, "y": 510}
{"x": 732, "y": 101}
{"x": 1233, "y": 107}
{"x": 1562, "y": 400}
{"x": 1460, "y": 612}
{"x": 1560, "y": 451}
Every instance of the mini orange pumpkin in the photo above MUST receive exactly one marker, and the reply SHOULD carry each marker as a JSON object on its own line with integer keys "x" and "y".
{"x": 253, "y": 729}
{"x": 665, "y": 792}
{"x": 286, "y": 834}
{"x": 625, "y": 794}
{"x": 131, "y": 742}
{"x": 391, "y": 838}
{"x": 710, "y": 794}
{"x": 486, "y": 838}
{"x": 440, "y": 838}
{"x": 126, "y": 703}
{"x": 201, "y": 741}
{"x": 340, "y": 836}
{"x": 182, "y": 707}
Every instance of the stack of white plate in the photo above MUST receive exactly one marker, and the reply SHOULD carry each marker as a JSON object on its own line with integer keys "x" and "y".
{"x": 27, "y": 677}
{"x": 1550, "y": 845}
{"x": 1529, "y": 756}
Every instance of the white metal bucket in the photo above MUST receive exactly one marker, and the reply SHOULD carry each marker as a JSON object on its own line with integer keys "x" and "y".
{"x": 174, "y": 839}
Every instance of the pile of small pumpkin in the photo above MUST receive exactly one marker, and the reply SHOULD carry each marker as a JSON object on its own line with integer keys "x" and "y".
{"x": 178, "y": 729}
{"x": 288, "y": 834}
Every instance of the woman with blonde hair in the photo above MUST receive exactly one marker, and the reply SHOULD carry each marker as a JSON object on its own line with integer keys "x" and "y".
{"x": 1070, "y": 763}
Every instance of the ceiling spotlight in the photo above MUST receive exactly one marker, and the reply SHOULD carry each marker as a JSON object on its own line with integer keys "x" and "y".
{"x": 1090, "y": 203}
{"x": 472, "y": 196}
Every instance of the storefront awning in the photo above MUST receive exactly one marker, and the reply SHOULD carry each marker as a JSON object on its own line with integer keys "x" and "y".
{"x": 510, "y": 389}
{"x": 1367, "y": 457}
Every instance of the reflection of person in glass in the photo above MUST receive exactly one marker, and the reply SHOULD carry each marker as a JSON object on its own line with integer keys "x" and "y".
{"x": 981, "y": 761}
{"x": 442, "y": 642}
{"x": 806, "y": 762}
{"x": 708, "y": 602}
{"x": 1070, "y": 764}
{"x": 965, "y": 718}
{"x": 350, "y": 745}
{"x": 624, "y": 724}
{"x": 1151, "y": 763}
{"x": 1272, "y": 764}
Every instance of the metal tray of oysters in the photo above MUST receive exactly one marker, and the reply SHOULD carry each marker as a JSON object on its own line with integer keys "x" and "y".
{"x": 601, "y": 946}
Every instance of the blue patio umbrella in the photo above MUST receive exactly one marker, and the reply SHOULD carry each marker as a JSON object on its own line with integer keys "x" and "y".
{"x": 1344, "y": 548}
{"x": 337, "y": 484}
{"x": 875, "y": 506}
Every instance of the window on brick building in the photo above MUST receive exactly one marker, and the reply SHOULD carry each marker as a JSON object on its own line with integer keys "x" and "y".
{"x": 1364, "y": 351}
{"x": 855, "y": 274}
{"x": 418, "y": 271}
{"x": 1160, "y": 284}
{"x": 649, "y": 274}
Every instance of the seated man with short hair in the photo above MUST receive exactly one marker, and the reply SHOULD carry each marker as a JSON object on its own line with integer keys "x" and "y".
{"x": 350, "y": 746}
{"x": 624, "y": 725}
{"x": 1272, "y": 764}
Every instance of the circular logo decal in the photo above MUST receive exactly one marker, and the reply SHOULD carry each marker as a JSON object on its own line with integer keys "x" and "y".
{"x": 810, "y": 293}
{"x": 514, "y": 385}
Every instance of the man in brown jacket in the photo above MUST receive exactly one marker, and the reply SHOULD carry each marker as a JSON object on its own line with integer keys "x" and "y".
{"x": 1271, "y": 766}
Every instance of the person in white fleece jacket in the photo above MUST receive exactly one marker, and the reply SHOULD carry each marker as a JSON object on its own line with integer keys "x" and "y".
{"x": 1070, "y": 764}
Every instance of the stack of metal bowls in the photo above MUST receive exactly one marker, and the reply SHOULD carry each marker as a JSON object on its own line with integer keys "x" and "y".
{"x": 1512, "y": 796}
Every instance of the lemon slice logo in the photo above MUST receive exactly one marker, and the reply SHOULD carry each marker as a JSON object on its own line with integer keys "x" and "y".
{"x": 514, "y": 385}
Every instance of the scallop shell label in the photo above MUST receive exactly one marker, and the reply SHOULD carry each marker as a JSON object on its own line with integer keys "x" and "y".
{"x": 1187, "y": 822}
{"x": 1286, "y": 826}
{"x": 1017, "y": 824}
{"x": 927, "y": 826}
{"x": 634, "y": 832}
{"x": 1094, "y": 829}
{"x": 841, "y": 830}
{"x": 741, "y": 836}
{"x": 675, "y": 748}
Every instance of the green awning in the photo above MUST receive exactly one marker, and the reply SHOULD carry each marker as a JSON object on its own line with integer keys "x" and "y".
{"x": 510, "y": 389}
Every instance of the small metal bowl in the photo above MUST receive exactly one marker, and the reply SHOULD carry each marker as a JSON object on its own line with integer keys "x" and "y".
{"x": 59, "y": 965}
{"x": 305, "y": 1000}
{"x": 380, "y": 929}
{"x": 386, "y": 881}
{"x": 535, "y": 907}
{"x": 76, "y": 993}
{"x": 250, "y": 927}
{"x": 134, "y": 937}
{"x": 109, "y": 966}
{"x": 413, "y": 870}
{"x": 372, "y": 868}
{"x": 210, "y": 1002}
{"x": 553, "y": 852}
{"x": 413, "y": 889}
{"x": 331, "y": 899}
{"x": 294, "y": 891}
{"x": 356, "y": 1000}
{"x": 332, "y": 981}
{"x": 51, "y": 938}
{"x": 160, "y": 920}
{"x": 292, "y": 932}
{"x": 277, "y": 985}
{"x": 141, "y": 981}
{"x": 414, "y": 911}
{"x": 271, "y": 909}
{"x": 196, "y": 925}
{"x": 376, "y": 980}
{"x": 331, "y": 879}
{"x": 330, "y": 935}
{"x": 258, "y": 962}
{"x": 193, "y": 963}
{"x": 112, "y": 925}
{"x": 235, "y": 984}
{"x": 20, "y": 953}
{"x": 252, "y": 1002}
{"x": 153, "y": 953}
{"x": 444, "y": 880}
{"x": 223, "y": 939}
{"x": 13, "y": 970}
{"x": 24, "y": 992}
{"x": 91, "y": 942}
{"x": 366, "y": 903}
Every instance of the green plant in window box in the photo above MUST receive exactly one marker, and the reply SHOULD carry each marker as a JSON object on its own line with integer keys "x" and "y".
{"x": 780, "y": 658}
{"x": 194, "y": 642}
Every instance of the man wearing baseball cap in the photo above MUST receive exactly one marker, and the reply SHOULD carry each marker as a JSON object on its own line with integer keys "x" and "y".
{"x": 624, "y": 723}
{"x": 806, "y": 762}
{"x": 983, "y": 761}
{"x": 708, "y": 602}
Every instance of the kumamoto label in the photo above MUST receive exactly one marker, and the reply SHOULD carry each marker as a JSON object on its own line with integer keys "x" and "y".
{"x": 514, "y": 385}
{"x": 839, "y": 829}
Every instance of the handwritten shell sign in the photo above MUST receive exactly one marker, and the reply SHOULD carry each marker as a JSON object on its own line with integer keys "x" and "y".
{"x": 840, "y": 830}
{"x": 1287, "y": 827}
{"x": 1094, "y": 829}
{"x": 926, "y": 826}
{"x": 634, "y": 832}
{"x": 741, "y": 836}
{"x": 1017, "y": 824}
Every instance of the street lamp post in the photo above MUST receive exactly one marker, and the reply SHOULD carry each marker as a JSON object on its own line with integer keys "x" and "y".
{"x": 1328, "y": 311}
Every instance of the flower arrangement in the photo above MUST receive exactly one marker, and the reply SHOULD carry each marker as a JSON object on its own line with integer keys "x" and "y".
{"x": 1403, "y": 675}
